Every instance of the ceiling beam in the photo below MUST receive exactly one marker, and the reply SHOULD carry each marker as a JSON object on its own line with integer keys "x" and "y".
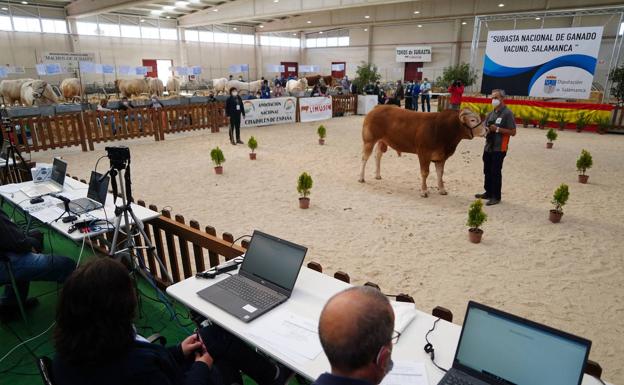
{"x": 244, "y": 10}
{"x": 85, "y": 8}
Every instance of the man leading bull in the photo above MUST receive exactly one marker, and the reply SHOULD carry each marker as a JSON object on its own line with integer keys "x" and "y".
{"x": 502, "y": 126}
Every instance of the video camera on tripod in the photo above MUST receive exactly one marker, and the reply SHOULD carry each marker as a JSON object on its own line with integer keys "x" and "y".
{"x": 119, "y": 156}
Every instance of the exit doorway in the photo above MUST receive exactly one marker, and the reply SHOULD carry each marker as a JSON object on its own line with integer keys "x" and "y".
{"x": 160, "y": 68}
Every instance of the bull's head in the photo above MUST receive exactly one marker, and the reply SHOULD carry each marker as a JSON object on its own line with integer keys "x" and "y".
{"x": 471, "y": 124}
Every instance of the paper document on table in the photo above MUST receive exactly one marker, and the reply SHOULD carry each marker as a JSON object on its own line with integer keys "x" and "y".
{"x": 406, "y": 373}
{"x": 49, "y": 214}
{"x": 288, "y": 332}
{"x": 404, "y": 314}
{"x": 9, "y": 189}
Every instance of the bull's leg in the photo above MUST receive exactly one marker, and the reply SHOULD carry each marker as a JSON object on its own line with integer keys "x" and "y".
{"x": 381, "y": 148}
{"x": 424, "y": 173}
{"x": 440, "y": 171}
{"x": 367, "y": 150}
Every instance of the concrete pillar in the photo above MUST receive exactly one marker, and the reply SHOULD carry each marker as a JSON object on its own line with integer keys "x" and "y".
{"x": 370, "y": 44}
{"x": 259, "y": 62}
{"x": 456, "y": 48}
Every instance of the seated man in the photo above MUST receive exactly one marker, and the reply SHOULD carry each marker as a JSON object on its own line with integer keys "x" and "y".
{"x": 127, "y": 106}
{"x": 103, "y": 107}
{"x": 23, "y": 250}
{"x": 96, "y": 342}
{"x": 356, "y": 330}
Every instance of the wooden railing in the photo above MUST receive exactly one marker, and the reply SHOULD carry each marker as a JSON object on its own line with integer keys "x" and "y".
{"x": 40, "y": 133}
{"x": 344, "y": 105}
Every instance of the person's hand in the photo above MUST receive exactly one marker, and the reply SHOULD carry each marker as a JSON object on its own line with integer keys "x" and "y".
{"x": 492, "y": 127}
{"x": 191, "y": 344}
{"x": 204, "y": 356}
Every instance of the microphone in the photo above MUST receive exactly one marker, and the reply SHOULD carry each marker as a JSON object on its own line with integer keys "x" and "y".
{"x": 61, "y": 198}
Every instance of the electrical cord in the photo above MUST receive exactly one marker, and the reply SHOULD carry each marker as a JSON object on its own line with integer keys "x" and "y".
{"x": 429, "y": 346}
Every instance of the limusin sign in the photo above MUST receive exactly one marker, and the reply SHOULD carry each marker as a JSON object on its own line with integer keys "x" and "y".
{"x": 553, "y": 62}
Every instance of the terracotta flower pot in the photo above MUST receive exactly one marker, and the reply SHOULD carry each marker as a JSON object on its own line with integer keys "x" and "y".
{"x": 583, "y": 178}
{"x": 549, "y": 145}
{"x": 474, "y": 235}
{"x": 555, "y": 216}
{"x": 218, "y": 170}
{"x": 252, "y": 155}
{"x": 304, "y": 203}
{"x": 321, "y": 141}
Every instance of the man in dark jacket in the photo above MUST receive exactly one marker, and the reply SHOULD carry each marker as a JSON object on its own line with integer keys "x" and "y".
{"x": 400, "y": 92}
{"x": 408, "y": 96}
{"x": 356, "y": 330}
{"x": 23, "y": 250}
{"x": 234, "y": 109}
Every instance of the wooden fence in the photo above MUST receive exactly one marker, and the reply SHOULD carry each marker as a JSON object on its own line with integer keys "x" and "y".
{"x": 617, "y": 120}
{"x": 84, "y": 129}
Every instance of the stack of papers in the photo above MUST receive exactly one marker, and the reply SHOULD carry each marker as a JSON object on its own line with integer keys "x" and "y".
{"x": 404, "y": 314}
{"x": 293, "y": 336}
{"x": 406, "y": 373}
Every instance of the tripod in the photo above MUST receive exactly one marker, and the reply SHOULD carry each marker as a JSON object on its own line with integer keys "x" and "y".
{"x": 125, "y": 212}
{"x": 12, "y": 164}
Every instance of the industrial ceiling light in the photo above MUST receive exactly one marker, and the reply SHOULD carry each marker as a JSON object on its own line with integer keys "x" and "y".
{"x": 261, "y": 26}
{"x": 309, "y": 21}
{"x": 215, "y": 10}
{"x": 419, "y": 25}
{"x": 464, "y": 23}
{"x": 538, "y": 18}
{"x": 234, "y": 28}
{"x": 321, "y": 32}
{"x": 367, "y": 17}
{"x": 294, "y": 34}
{"x": 365, "y": 29}
{"x": 156, "y": 12}
{"x": 501, "y": 5}
{"x": 142, "y": 20}
{"x": 25, "y": 2}
{"x": 195, "y": 1}
{"x": 168, "y": 17}
{"x": 276, "y": 1}
{"x": 168, "y": 7}
{"x": 181, "y": 3}
{"x": 416, "y": 12}
{"x": 5, "y": 9}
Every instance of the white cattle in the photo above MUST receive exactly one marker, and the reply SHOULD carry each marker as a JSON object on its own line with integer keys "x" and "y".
{"x": 254, "y": 86}
{"x": 173, "y": 85}
{"x": 11, "y": 90}
{"x": 238, "y": 85}
{"x": 70, "y": 88}
{"x": 37, "y": 92}
{"x": 132, "y": 87}
{"x": 219, "y": 85}
{"x": 296, "y": 87}
{"x": 156, "y": 86}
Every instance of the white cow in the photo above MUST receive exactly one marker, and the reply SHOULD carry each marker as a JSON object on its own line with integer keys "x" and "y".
{"x": 11, "y": 90}
{"x": 237, "y": 84}
{"x": 156, "y": 86}
{"x": 37, "y": 92}
{"x": 70, "y": 88}
{"x": 296, "y": 87}
{"x": 132, "y": 87}
{"x": 254, "y": 86}
{"x": 173, "y": 85}
{"x": 219, "y": 85}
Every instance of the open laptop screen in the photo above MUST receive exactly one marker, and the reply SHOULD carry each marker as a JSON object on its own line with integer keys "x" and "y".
{"x": 274, "y": 260}
{"x": 59, "y": 169}
{"x": 97, "y": 188}
{"x": 510, "y": 350}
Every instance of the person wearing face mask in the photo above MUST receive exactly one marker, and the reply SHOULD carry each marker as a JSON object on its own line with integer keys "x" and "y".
{"x": 234, "y": 109}
{"x": 425, "y": 95}
{"x": 502, "y": 126}
{"x": 155, "y": 103}
{"x": 356, "y": 329}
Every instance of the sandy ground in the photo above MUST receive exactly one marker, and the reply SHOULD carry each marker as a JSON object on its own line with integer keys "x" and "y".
{"x": 569, "y": 275}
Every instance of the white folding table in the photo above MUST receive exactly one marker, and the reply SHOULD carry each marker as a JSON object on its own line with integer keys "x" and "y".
{"x": 311, "y": 292}
{"x": 48, "y": 211}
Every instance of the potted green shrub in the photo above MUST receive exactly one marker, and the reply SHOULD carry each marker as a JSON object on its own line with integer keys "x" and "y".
{"x": 560, "y": 197}
{"x": 483, "y": 111}
{"x": 217, "y": 158}
{"x": 603, "y": 124}
{"x": 322, "y": 133}
{"x": 551, "y": 135}
{"x": 581, "y": 121}
{"x": 476, "y": 217}
{"x": 252, "y": 143}
{"x": 560, "y": 117}
{"x": 583, "y": 163}
{"x": 543, "y": 120}
{"x": 304, "y": 184}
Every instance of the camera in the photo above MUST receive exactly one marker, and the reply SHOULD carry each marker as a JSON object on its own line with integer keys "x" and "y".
{"x": 457, "y": 83}
{"x": 119, "y": 156}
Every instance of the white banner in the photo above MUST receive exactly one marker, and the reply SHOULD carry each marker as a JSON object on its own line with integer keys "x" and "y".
{"x": 313, "y": 109}
{"x": 552, "y": 62}
{"x": 366, "y": 103}
{"x": 265, "y": 112}
{"x": 416, "y": 53}
{"x": 68, "y": 60}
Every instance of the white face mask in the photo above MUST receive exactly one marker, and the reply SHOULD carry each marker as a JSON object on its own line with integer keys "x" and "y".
{"x": 234, "y": 93}
{"x": 495, "y": 102}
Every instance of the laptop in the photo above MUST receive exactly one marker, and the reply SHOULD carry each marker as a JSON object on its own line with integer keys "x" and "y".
{"x": 502, "y": 349}
{"x": 54, "y": 185}
{"x": 265, "y": 279}
{"x": 96, "y": 197}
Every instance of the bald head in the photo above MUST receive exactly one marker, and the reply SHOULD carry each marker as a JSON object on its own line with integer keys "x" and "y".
{"x": 354, "y": 325}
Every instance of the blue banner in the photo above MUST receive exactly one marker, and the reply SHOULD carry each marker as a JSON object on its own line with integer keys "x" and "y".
{"x": 108, "y": 69}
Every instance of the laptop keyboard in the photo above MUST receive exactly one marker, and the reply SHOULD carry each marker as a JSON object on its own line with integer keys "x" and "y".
{"x": 454, "y": 379}
{"x": 250, "y": 291}
{"x": 83, "y": 205}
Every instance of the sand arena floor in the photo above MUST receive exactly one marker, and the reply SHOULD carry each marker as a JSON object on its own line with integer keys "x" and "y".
{"x": 569, "y": 275}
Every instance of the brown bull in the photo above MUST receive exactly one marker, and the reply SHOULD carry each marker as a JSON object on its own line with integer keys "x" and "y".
{"x": 316, "y": 79}
{"x": 432, "y": 136}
